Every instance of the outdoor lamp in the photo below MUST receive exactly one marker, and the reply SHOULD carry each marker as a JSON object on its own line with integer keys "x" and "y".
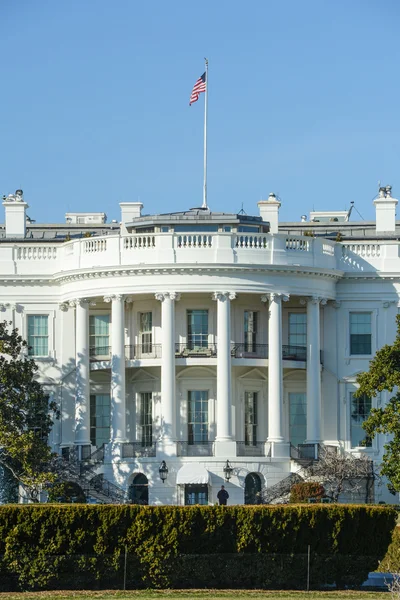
{"x": 163, "y": 470}
{"x": 227, "y": 471}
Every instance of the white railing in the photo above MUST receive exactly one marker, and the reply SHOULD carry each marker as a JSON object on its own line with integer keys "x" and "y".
{"x": 38, "y": 252}
{"x": 99, "y": 245}
{"x": 298, "y": 243}
{"x": 252, "y": 241}
{"x": 328, "y": 249}
{"x": 192, "y": 240}
{"x": 365, "y": 250}
{"x": 139, "y": 242}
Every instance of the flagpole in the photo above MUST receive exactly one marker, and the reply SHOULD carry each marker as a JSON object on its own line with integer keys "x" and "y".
{"x": 204, "y": 205}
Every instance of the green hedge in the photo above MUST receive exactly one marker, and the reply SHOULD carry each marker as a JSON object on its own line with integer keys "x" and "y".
{"x": 83, "y": 546}
{"x": 301, "y": 492}
{"x": 391, "y": 560}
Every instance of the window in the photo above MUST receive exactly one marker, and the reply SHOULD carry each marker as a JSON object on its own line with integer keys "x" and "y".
{"x": 197, "y": 417}
{"x": 250, "y": 418}
{"x": 250, "y": 330}
{"x": 297, "y": 329}
{"x": 38, "y": 335}
{"x": 146, "y": 331}
{"x": 196, "y": 494}
{"x": 197, "y": 327}
{"x": 360, "y": 409}
{"x": 99, "y": 335}
{"x": 99, "y": 419}
{"x": 297, "y": 418}
{"x": 146, "y": 418}
{"x": 360, "y": 333}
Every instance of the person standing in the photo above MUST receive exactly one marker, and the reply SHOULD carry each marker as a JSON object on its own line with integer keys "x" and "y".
{"x": 222, "y": 496}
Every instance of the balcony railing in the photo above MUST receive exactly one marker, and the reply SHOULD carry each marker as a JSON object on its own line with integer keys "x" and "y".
{"x": 246, "y": 449}
{"x": 138, "y": 450}
{"x": 297, "y": 353}
{"x": 294, "y": 353}
{"x": 189, "y": 350}
{"x": 197, "y": 449}
{"x": 249, "y": 350}
{"x": 140, "y": 351}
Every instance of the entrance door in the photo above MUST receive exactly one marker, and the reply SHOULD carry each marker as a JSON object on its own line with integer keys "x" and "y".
{"x": 139, "y": 490}
{"x": 297, "y": 418}
{"x": 252, "y": 489}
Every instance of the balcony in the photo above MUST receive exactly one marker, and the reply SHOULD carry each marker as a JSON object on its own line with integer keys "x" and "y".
{"x": 195, "y": 449}
{"x": 247, "y": 449}
{"x": 190, "y": 350}
{"x": 138, "y": 450}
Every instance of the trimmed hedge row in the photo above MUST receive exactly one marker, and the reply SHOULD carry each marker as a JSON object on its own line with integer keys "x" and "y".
{"x": 391, "y": 561}
{"x": 83, "y": 546}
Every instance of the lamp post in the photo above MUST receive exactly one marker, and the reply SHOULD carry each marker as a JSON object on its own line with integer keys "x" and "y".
{"x": 227, "y": 470}
{"x": 163, "y": 471}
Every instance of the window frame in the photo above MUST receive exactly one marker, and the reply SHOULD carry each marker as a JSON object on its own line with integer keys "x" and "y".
{"x": 204, "y": 341}
{"x": 250, "y": 345}
{"x": 96, "y": 416}
{"x": 191, "y": 436}
{"x": 50, "y": 328}
{"x": 359, "y": 312}
{"x": 146, "y": 347}
{"x": 364, "y": 397}
{"x": 296, "y": 314}
{"x": 253, "y": 426}
{"x": 101, "y": 314}
{"x": 146, "y": 428}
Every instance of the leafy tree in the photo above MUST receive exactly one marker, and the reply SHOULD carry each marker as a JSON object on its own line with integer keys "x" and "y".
{"x": 25, "y": 415}
{"x": 384, "y": 374}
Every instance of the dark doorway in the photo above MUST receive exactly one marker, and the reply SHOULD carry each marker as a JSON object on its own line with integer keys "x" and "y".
{"x": 139, "y": 490}
{"x": 252, "y": 489}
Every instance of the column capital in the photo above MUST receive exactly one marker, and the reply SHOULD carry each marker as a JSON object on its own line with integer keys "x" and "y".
{"x": 161, "y": 296}
{"x": 224, "y": 296}
{"x": 63, "y": 306}
{"x": 313, "y": 300}
{"x": 78, "y": 302}
{"x": 274, "y": 296}
{"x": 112, "y": 297}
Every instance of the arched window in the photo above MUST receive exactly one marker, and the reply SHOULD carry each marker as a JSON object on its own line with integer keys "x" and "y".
{"x": 252, "y": 489}
{"x": 139, "y": 490}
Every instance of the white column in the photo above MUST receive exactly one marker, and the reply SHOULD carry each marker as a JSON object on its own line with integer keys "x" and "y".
{"x": 118, "y": 403}
{"x": 313, "y": 371}
{"x": 82, "y": 390}
{"x": 275, "y": 372}
{"x": 168, "y": 425}
{"x": 224, "y": 370}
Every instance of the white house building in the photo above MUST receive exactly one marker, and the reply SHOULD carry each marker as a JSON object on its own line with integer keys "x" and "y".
{"x": 204, "y": 343}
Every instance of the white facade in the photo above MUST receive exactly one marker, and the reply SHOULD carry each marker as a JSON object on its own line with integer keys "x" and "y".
{"x": 196, "y": 338}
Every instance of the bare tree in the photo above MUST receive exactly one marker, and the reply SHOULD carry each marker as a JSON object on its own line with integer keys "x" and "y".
{"x": 340, "y": 472}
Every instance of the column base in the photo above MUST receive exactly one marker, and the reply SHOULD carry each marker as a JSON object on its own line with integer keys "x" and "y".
{"x": 279, "y": 449}
{"x": 225, "y": 448}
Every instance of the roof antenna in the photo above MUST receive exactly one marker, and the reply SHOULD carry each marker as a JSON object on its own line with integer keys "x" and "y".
{"x": 242, "y": 211}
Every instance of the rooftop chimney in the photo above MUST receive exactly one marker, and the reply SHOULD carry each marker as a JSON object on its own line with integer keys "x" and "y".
{"x": 269, "y": 211}
{"x": 130, "y": 210}
{"x": 385, "y": 207}
{"x": 15, "y": 208}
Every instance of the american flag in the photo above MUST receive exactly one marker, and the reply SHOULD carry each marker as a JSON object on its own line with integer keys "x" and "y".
{"x": 198, "y": 88}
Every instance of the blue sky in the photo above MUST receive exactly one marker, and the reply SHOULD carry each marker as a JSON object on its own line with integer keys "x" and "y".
{"x": 303, "y": 101}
